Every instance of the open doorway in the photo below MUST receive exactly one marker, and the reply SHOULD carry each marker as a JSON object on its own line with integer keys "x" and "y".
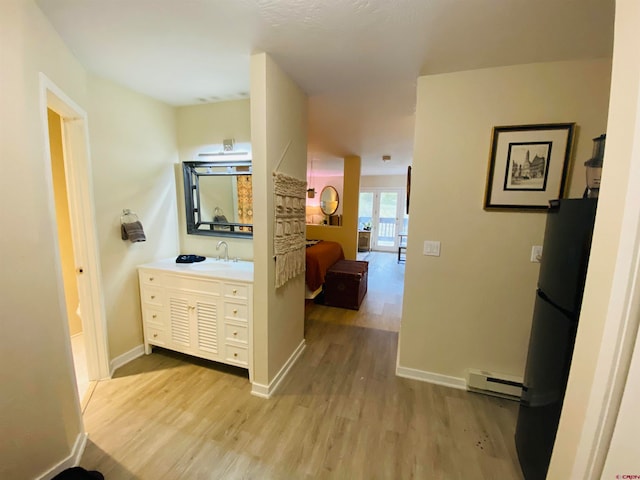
{"x": 65, "y": 247}
{"x": 65, "y": 130}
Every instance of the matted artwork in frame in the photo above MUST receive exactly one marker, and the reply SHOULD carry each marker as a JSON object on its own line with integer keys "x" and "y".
{"x": 528, "y": 165}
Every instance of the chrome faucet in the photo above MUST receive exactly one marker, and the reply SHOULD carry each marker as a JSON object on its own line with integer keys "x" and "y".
{"x": 226, "y": 249}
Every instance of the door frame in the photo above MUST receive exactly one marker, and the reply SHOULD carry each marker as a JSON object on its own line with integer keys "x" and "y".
{"x": 375, "y": 218}
{"x": 77, "y": 166}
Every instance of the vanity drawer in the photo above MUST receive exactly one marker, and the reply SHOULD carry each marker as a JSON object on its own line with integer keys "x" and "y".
{"x": 151, "y": 295}
{"x": 153, "y": 315}
{"x": 240, "y": 292}
{"x": 150, "y": 278}
{"x": 237, "y": 355}
{"x": 197, "y": 285}
{"x": 157, "y": 336}
{"x": 236, "y": 333}
{"x": 236, "y": 311}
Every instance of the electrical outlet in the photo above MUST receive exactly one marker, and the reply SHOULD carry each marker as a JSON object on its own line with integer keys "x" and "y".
{"x": 536, "y": 253}
{"x": 431, "y": 248}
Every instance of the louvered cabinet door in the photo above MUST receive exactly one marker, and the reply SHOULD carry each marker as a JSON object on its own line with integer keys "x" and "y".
{"x": 207, "y": 324}
{"x": 180, "y": 335}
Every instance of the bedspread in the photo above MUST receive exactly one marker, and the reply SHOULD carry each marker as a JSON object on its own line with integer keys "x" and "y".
{"x": 320, "y": 257}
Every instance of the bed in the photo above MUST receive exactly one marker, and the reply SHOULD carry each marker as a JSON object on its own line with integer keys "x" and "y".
{"x": 321, "y": 255}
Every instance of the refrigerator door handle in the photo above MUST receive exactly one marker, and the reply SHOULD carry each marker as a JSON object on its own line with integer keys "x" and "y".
{"x": 564, "y": 311}
{"x": 524, "y": 398}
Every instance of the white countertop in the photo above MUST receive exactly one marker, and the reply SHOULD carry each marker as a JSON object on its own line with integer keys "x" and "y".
{"x": 211, "y": 268}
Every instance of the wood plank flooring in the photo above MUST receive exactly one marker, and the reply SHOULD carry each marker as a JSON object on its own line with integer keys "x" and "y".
{"x": 340, "y": 414}
{"x": 382, "y": 305}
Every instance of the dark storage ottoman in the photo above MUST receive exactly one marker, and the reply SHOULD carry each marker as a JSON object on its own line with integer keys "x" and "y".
{"x": 345, "y": 284}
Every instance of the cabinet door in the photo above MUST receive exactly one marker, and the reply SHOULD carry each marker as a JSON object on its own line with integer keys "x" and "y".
{"x": 194, "y": 324}
{"x": 207, "y": 324}
{"x": 179, "y": 322}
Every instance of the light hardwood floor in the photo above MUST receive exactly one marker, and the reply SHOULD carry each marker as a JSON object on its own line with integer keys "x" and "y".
{"x": 341, "y": 413}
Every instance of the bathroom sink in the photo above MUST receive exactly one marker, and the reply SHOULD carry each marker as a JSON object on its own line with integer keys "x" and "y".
{"x": 240, "y": 270}
{"x": 211, "y": 267}
{"x": 215, "y": 265}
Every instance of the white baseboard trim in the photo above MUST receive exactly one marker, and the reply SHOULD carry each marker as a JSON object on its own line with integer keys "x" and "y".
{"x": 71, "y": 461}
{"x": 125, "y": 358}
{"x": 265, "y": 391}
{"x": 430, "y": 377}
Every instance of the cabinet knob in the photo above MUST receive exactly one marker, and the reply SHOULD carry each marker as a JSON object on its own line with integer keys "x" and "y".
{"x": 235, "y": 310}
{"x": 154, "y": 316}
{"x": 152, "y": 297}
{"x": 235, "y": 333}
{"x": 235, "y": 354}
{"x": 235, "y": 291}
{"x": 155, "y": 335}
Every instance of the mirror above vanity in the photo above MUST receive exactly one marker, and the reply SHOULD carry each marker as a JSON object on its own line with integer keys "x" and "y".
{"x": 219, "y": 198}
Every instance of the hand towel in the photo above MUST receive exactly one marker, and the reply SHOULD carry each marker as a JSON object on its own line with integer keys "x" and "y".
{"x": 133, "y": 231}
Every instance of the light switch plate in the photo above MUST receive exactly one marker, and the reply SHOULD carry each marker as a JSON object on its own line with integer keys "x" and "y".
{"x": 431, "y": 248}
{"x": 536, "y": 253}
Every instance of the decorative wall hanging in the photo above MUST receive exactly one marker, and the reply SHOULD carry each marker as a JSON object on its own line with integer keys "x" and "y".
{"x": 289, "y": 230}
{"x": 528, "y": 165}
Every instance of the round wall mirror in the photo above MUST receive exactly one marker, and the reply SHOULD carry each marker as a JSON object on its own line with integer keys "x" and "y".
{"x": 329, "y": 200}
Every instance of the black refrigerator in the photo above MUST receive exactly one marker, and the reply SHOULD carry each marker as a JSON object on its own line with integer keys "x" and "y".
{"x": 565, "y": 255}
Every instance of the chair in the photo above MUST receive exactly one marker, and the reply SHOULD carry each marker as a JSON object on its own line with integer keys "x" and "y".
{"x": 402, "y": 246}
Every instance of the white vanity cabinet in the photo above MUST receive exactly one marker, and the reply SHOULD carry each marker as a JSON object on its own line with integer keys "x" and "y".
{"x": 198, "y": 311}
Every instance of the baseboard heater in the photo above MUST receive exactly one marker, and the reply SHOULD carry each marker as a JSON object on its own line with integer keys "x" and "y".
{"x": 496, "y": 384}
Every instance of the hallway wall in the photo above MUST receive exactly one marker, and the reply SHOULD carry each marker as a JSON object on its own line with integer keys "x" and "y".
{"x": 39, "y": 411}
{"x": 133, "y": 150}
{"x": 471, "y": 307}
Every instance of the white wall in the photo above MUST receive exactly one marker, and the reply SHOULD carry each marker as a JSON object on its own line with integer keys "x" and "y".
{"x": 471, "y": 307}
{"x": 624, "y": 451}
{"x": 383, "y": 181}
{"x": 202, "y": 128}
{"x": 279, "y": 141}
{"x": 39, "y": 415}
{"x": 604, "y": 319}
{"x": 134, "y": 150}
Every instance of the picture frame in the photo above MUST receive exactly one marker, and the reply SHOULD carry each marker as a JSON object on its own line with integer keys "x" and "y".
{"x": 528, "y": 166}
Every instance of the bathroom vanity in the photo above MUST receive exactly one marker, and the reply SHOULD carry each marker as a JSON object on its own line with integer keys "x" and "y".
{"x": 203, "y": 309}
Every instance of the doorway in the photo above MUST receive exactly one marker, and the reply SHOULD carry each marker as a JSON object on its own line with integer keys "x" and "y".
{"x": 381, "y": 210}
{"x": 64, "y": 125}
{"x": 65, "y": 247}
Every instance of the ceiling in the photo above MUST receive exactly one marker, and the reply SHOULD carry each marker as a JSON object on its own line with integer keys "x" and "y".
{"x": 358, "y": 60}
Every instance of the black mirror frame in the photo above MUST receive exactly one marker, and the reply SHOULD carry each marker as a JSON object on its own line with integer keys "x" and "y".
{"x": 191, "y": 178}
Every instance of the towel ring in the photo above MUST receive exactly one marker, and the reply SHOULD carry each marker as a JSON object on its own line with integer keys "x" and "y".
{"x": 128, "y": 216}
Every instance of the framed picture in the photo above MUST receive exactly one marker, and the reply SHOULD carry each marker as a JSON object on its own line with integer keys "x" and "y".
{"x": 528, "y": 165}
